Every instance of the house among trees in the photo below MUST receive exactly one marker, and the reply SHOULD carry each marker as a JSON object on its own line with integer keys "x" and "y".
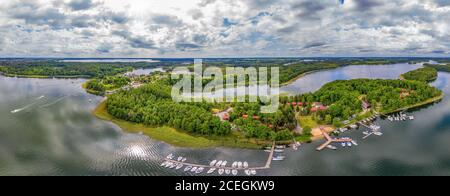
{"x": 366, "y": 105}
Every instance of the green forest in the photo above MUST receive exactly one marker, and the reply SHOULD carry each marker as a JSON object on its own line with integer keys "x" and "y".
{"x": 344, "y": 98}
{"x": 440, "y": 67}
{"x": 65, "y": 69}
{"x": 152, "y": 105}
{"x": 100, "y": 86}
{"x": 426, "y": 74}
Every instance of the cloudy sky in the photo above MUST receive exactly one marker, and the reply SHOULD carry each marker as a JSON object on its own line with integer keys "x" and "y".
{"x": 223, "y": 28}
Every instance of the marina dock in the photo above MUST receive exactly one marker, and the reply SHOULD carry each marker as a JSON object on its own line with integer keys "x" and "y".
{"x": 330, "y": 140}
{"x": 266, "y": 166}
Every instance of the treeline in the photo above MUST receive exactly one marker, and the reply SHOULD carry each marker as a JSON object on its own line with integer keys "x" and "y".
{"x": 152, "y": 105}
{"x": 426, "y": 74}
{"x": 440, "y": 67}
{"x": 344, "y": 98}
{"x": 61, "y": 69}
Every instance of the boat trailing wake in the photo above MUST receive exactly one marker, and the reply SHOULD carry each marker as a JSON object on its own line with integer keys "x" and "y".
{"x": 54, "y": 102}
{"x": 28, "y": 106}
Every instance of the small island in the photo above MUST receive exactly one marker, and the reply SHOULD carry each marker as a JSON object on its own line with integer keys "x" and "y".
{"x": 426, "y": 74}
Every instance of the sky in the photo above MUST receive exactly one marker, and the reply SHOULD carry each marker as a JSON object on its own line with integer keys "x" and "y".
{"x": 223, "y": 28}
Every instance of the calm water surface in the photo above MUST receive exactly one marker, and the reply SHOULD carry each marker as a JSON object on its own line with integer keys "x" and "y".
{"x": 53, "y": 132}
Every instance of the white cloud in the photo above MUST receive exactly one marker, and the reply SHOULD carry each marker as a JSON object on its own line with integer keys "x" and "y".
{"x": 214, "y": 28}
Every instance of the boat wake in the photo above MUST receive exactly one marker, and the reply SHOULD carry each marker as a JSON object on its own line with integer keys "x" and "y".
{"x": 54, "y": 102}
{"x": 28, "y": 106}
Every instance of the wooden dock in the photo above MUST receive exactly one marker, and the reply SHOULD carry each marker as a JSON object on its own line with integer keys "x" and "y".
{"x": 330, "y": 140}
{"x": 267, "y": 166}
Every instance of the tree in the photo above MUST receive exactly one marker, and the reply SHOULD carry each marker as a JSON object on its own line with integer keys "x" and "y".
{"x": 307, "y": 131}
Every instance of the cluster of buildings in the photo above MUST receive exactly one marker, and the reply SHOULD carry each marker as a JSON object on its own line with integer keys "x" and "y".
{"x": 316, "y": 106}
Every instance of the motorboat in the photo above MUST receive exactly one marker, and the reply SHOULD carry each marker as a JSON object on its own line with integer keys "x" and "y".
{"x": 219, "y": 163}
{"x": 253, "y": 172}
{"x": 234, "y": 172}
{"x": 239, "y": 164}
{"x": 349, "y": 144}
{"x": 170, "y": 156}
{"x": 179, "y": 166}
{"x": 331, "y": 147}
{"x": 224, "y": 164}
{"x": 245, "y": 165}
{"x": 227, "y": 172}
{"x": 277, "y": 159}
{"x": 163, "y": 164}
{"x": 378, "y": 133}
{"x": 188, "y": 168}
{"x": 210, "y": 171}
{"x": 221, "y": 171}
{"x": 213, "y": 163}
{"x": 184, "y": 160}
{"x": 194, "y": 169}
{"x": 248, "y": 172}
{"x": 354, "y": 143}
{"x": 234, "y": 165}
{"x": 199, "y": 170}
{"x": 180, "y": 159}
{"x": 279, "y": 150}
{"x": 343, "y": 144}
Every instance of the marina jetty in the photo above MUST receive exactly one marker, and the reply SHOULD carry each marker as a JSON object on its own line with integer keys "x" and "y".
{"x": 330, "y": 140}
{"x": 221, "y": 166}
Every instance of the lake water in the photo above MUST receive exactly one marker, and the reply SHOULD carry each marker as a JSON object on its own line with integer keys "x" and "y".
{"x": 140, "y": 72}
{"x": 53, "y": 132}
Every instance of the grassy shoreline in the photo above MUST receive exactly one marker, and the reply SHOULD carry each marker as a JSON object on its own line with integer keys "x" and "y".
{"x": 179, "y": 138}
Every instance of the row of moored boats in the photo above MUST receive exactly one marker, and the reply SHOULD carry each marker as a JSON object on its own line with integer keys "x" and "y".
{"x": 219, "y": 166}
{"x": 400, "y": 117}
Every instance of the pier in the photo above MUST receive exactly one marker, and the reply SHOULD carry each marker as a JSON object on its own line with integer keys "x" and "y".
{"x": 330, "y": 140}
{"x": 266, "y": 166}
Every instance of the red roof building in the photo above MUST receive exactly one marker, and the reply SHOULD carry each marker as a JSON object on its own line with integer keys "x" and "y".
{"x": 294, "y": 103}
{"x": 256, "y": 117}
{"x": 245, "y": 116}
